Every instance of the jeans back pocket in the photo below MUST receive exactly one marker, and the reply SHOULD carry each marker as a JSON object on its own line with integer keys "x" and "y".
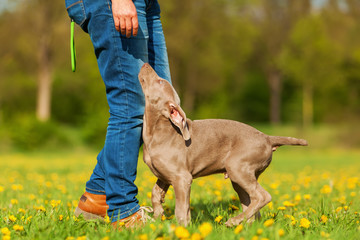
{"x": 76, "y": 12}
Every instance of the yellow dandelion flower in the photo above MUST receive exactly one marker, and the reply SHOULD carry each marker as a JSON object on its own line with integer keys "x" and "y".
{"x": 143, "y": 236}
{"x": 81, "y": 238}
{"x": 338, "y": 209}
{"x": 295, "y": 188}
{"x": 353, "y": 194}
{"x": 269, "y": 222}
{"x": 326, "y": 189}
{"x": 259, "y": 231}
{"x": 2, "y": 189}
{"x": 21, "y": 210}
{"x": 105, "y": 238}
{"x": 281, "y": 232}
{"x": 324, "y": 234}
{"x": 55, "y": 203}
{"x": 281, "y": 208}
{"x": 6, "y": 237}
{"x": 196, "y": 236}
{"x": 152, "y": 226}
{"x": 238, "y": 229}
{"x": 297, "y": 198}
{"x": 307, "y": 196}
{"x": 233, "y": 207}
{"x": 270, "y": 205}
{"x": 346, "y": 208}
{"x": 17, "y": 227}
{"x": 28, "y": 219}
{"x": 323, "y": 219}
{"x": 31, "y": 196}
{"x": 14, "y": 201}
{"x": 149, "y": 194}
{"x": 205, "y": 229}
{"x": 217, "y": 193}
{"x": 182, "y": 232}
{"x": 61, "y": 217}
{"x": 163, "y": 218}
{"x": 12, "y": 218}
{"x": 5, "y": 231}
{"x": 288, "y": 204}
{"x": 218, "y": 219}
{"x": 305, "y": 223}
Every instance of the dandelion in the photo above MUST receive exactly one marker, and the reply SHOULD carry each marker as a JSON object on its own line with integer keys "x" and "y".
{"x": 346, "y": 208}
{"x": 14, "y": 201}
{"x": 297, "y": 198}
{"x": 338, "y": 209}
{"x": 281, "y": 208}
{"x": 152, "y": 226}
{"x": 233, "y": 207}
{"x": 305, "y": 223}
{"x": 205, "y": 229}
{"x": 61, "y": 217}
{"x": 218, "y": 219}
{"x": 17, "y": 227}
{"x": 326, "y": 189}
{"x": 324, "y": 234}
{"x": 2, "y": 189}
{"x": 55, "y": 203}
{"x": 163, "y": 218}
{"x": 81, "y": 238}
{"x": 143, "y": 236}
{"x": 259, "y": 231}
{"x": 307, "y": 196}
{"x": 5, "y": 231}
{"x": 105, "y": 238}
{"x": 323, "y": 219}
{"x": 182, "y": 232}
{"x": 196, "y": 236}
{"x": 40, "y": 208}
{"x": 281, "y": 232}
{"x": 21, "y": 210}
{"x": 12, "y": 218}
{"x": 238, "y": 229}
{"x": 270, "y": 205}
{"x": 352, "y": 194}
{"x": 28, "y": 219}
{"x": 149, "y": 195}
{"x": 288, "y": 204}
{"x": 269, "y": 222}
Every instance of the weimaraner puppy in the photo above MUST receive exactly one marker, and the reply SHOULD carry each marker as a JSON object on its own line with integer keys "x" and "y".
{"x": 177, "y": 150}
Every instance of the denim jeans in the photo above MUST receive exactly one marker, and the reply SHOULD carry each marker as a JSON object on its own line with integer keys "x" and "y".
{"x": 119, "y": 61}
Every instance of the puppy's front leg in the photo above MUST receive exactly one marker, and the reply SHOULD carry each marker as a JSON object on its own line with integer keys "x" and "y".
{"x": 182, "y": 187}
{"x": 158, "y": 197}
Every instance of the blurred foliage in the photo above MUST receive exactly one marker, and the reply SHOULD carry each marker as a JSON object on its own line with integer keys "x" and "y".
{"x": 292, "y": 62}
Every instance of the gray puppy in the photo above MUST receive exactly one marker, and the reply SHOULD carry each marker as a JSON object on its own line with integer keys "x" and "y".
{"x": 177, "y": 150}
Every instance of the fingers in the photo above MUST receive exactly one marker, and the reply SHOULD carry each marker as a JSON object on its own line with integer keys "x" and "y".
{"x": 126, "y": 26}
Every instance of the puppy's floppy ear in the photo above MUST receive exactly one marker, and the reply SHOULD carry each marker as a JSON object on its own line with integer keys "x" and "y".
{"x": 178, "y": 118}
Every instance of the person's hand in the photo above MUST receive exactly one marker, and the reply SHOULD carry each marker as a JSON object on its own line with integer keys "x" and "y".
{"x": 125, "y": 17}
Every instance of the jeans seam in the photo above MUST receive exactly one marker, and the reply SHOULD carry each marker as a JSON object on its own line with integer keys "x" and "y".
{"x": 95, "y": 190}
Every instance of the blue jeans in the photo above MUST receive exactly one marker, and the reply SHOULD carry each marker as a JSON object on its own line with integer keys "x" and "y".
{"x": 119, "y": 60}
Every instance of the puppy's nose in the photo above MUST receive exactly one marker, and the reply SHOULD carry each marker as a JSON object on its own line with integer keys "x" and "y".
{"x": 146, "y": 65}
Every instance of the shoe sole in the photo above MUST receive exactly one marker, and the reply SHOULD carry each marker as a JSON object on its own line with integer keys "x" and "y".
{"x": 87, "y": 215}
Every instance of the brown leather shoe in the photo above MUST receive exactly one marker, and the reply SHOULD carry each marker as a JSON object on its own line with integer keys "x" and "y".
{"x": 92, "y": 206}
{"x": 137, "y": 219}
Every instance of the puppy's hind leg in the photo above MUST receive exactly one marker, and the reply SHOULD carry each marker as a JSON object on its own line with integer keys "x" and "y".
{"x": 245, "y": 201}
{"x": 158, "y": 197}
{"x": 258, "y": 196}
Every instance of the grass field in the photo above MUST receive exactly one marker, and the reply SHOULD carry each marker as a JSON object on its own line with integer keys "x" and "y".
{"x": 315, "y": 196}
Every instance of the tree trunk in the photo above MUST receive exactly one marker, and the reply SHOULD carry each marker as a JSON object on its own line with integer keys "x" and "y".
{"x": 274, "y": 80}
{"x": 43, "y": 107}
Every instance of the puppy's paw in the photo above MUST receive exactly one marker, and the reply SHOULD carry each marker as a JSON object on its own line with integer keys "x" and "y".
{"x": 234, "y": 221}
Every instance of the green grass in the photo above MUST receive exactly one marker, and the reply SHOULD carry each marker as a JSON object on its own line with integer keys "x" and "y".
{"x": 309, "y": 183}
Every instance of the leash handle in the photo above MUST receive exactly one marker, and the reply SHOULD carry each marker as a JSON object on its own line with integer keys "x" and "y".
{"x": 72, "y": 46}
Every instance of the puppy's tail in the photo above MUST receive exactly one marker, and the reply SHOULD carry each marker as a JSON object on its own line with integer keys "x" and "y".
{"x": 277, "y": 141}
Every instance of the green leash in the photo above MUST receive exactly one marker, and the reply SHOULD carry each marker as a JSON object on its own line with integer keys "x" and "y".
{"x": 72, "y": 46}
